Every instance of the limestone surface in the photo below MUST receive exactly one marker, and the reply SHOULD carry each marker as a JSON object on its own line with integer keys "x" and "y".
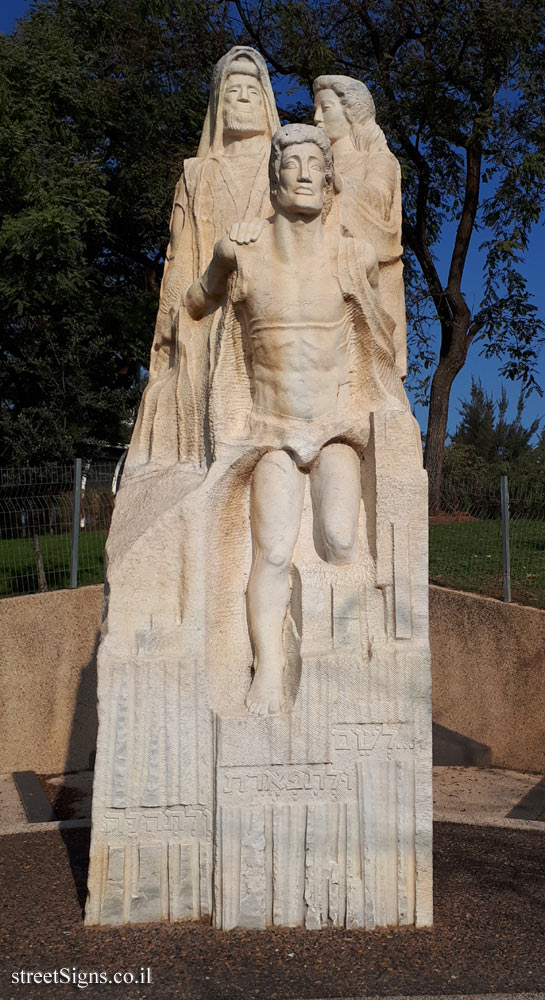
{"x": 264, "y": 748}
{"x": 369, "y": 180}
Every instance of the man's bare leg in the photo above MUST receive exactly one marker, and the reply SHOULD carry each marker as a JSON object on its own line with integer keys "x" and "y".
{"x": 336, "y": 491}
{"x": 276, "y": 505}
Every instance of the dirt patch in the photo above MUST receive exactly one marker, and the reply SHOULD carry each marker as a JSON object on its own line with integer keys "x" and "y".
{"x": 458, "y": 517}
{"x": 487, "y": 937}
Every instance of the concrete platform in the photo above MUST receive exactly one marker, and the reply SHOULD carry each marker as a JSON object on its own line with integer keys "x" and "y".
{"x": 485, "y": 797}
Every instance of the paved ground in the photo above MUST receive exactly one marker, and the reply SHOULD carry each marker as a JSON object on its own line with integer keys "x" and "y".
{"x": 485, "y": 796}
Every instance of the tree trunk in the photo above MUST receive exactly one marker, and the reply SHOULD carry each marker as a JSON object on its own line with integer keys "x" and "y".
{"x": 454, "y": 347}
{"x": 444, "y": 376}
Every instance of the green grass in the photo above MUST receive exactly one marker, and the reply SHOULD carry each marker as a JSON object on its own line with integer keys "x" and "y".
{"x": 463, "y": 555}
{"x": 18, "y": 570}
{"x": 467, "y": 556}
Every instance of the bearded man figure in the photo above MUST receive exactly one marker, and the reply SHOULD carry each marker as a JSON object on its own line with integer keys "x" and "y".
{"x": 226, "y": 182}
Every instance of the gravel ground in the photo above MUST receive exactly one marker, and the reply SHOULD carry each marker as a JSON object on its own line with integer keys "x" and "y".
{"x": 488, "y": 937}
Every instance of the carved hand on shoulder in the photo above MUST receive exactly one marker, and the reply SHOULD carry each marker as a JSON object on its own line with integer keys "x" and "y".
{"x": 247, "y": 231}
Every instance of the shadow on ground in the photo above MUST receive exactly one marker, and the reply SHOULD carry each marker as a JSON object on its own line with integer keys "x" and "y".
{"x": 451, "y": 749}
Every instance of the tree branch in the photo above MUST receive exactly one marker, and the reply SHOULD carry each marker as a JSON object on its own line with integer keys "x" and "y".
{"x": 429, "y": 270}
{"x": 406, "y": 36}
{"x": 467, "y": 218}
{"x": 373, "y": 34}
{"x": 383, "y": 57}
{"x": 466, "y": 225}
{"x": 476, "y": 324}
{"x": 256, "y": 36}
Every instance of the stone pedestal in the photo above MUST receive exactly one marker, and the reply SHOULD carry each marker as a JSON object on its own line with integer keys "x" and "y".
{"x": 320, "y": 816}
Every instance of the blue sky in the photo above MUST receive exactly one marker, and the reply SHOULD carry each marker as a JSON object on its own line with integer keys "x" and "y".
{"x": 476, "y": 366}
{"x": 10, "y": 10}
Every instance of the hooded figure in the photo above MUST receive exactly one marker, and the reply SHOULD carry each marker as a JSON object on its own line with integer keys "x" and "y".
{"x": 225, "y": 183}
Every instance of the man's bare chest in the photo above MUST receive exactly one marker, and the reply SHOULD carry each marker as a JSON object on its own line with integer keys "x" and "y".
{"x": 279, "y": 294}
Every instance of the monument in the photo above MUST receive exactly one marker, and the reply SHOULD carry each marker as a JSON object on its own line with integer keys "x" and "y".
{"x": 264, "y": 748}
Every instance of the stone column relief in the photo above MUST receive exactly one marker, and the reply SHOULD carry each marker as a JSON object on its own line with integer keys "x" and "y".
{"x": 264, "y": 747}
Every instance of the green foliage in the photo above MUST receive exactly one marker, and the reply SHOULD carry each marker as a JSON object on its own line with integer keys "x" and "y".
{"x": 102, "y": 100}
{"x": 485, "y": 446}
{"x": 476, "y": 427}
{"x": 490, "y": 439}
{"x": 512, "y": 441}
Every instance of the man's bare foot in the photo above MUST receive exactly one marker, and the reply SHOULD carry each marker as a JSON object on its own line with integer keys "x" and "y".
{"x": 265, "y": 696}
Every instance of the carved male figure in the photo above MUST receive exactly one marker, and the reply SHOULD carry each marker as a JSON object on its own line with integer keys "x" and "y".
{"x": 297, "y": 327}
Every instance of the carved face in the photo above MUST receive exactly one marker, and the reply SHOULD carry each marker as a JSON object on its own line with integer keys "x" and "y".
{"x": 329, "y": 115}
{"x": 243, "y": 108}
{"x": 301, "y": 179}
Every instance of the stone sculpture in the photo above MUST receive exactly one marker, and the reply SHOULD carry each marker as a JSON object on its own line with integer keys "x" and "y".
{"x": 296, "y": 542}
{"x": 226, "y": 182}
{"x": 370, "y": 178}
{"x": 307, "y": 411}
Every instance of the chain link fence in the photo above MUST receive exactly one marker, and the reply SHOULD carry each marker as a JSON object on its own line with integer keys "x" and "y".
{"x": 46, "y": 545}
{"x": 468, "y": 540}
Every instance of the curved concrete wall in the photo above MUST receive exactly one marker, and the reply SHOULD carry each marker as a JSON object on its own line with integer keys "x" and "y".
{"x": 488, "y": 662}
{"x": 488, "y": 668}
{"x": 48, "y": 649}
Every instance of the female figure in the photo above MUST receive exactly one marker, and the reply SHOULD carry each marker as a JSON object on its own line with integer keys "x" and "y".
{"x": 370, "y": 180}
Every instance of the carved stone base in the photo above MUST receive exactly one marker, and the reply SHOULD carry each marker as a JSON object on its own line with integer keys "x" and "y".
{"x": 320, "y": 816}
{"x": 331, "y": 825}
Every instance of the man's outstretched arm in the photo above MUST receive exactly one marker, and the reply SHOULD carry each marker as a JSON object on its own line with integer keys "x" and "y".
{"x": 206, "y": 292}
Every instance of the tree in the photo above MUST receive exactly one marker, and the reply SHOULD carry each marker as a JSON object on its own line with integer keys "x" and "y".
{"x": 476, "y": 427}
{"x": 102, "y": 100}
{"x": 494, "y": 440}
{"x": 459, "y": 87}
{"x": 485, "y": 446}
{"x": 512, "y": 440}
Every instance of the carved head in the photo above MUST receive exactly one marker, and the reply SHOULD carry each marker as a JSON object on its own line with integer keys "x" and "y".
{"x": 243, "y": 105}
{"x": 343, "y": 106}
{"x": 247, "y": 113}
{"x": 301, "y": 170}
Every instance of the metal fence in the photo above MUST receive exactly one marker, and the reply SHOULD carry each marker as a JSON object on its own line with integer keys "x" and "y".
{"x": 54, "y": 520}
{"x": 474, "y": 548}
